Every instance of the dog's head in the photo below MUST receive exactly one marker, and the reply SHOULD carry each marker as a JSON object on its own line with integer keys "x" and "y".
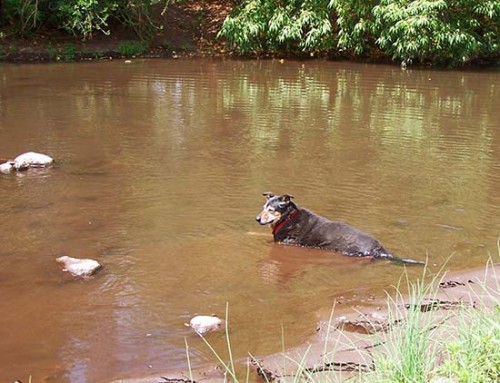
{"x": 275, "y": 209}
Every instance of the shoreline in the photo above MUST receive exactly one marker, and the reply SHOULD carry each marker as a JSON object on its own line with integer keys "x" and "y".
{"x": 183, "y": 29}
{"x": 355, "y": 333}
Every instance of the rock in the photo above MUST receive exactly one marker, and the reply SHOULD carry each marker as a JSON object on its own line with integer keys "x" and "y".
{"x": 203, "y": 324}
{"x": 6, "y": 167}
{"x": 32, "y": 159}
{"x": 79, "y": 267}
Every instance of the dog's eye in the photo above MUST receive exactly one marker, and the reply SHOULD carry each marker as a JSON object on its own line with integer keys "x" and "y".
{"x": 271, "y": 209}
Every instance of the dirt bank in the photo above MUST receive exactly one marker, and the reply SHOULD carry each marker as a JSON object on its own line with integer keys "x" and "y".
{"x": 347, "y": 339}
{"x": 185, "y": 29}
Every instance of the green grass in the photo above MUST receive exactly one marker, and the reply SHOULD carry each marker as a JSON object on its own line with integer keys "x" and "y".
{"x": 69, "y": 52}
{"x": 132, "y": 48}
{"x": 407, "y": 353}
{"x": 52, "y": 51}
{"x": 97, "y": 54}
{"x": 475, "y": 356}
{"x": 13, "y": 50}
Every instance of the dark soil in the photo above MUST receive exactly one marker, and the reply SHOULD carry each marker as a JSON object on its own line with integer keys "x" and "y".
{"x": 185, "y": 29}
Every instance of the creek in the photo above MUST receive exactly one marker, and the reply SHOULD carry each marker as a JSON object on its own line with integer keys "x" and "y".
{"x": 160, "y": 166}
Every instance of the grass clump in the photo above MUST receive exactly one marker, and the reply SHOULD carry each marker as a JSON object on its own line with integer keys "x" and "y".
{"x": 406, "y": 353}
{"x": 474, "y": 357}
{"x": 69, "y": 52}
{"x": 132, "y": 48}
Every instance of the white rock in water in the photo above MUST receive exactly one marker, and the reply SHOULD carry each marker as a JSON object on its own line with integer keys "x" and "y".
{"x": 32, "y": 159}
{"x": 79, "y": 267}
{"x": 6, "y": 168}
{"x": 203, "y": 324}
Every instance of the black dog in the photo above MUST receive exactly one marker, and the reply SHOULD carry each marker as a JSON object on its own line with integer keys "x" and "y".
{"x": 293, "y": 225}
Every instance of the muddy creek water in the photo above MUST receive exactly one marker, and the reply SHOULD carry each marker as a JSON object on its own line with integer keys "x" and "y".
{"x": 160, "y": 166}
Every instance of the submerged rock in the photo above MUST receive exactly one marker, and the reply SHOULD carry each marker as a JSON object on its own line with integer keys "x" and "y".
{"x": 203, "y": 324}
{"x": 79, "y": 267}
{"x": 6, "y": 168}
{"x": 32, "y": 159}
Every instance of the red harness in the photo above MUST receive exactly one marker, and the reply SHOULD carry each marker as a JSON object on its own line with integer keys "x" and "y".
{"x": 288, "y": 218}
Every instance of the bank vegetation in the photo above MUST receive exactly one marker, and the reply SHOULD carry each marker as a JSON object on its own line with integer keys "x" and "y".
{"x": 449, "y": 33}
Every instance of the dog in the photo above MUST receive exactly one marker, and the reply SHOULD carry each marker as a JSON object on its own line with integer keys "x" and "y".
{"x": 293, "y": 225}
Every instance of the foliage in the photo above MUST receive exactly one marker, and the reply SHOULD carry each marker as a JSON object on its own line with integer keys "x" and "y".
{"x": 441, "y": 32}
{"x": 97, "y": 54}
{"x": 475, "y": 356}
{"x": 271, "y": 25}
{"x": 132, "y": 48}
{"x": 81, "y": 18}
{"x": 69, "y": 52}
{"x": 24, "y": 15}
{"x": 12, "y": 50}
{"x": 140, "y": 16}
{"x": 444, "y": 32}
{"x": 51, "y": 51}
{"x": 408, "y": 353}
{"x": 354, "y": 19}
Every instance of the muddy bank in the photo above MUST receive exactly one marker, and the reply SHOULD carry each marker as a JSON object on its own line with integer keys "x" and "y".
{"x": 352, "y": 336}
{"x": 186, "y": 29}
{"x": 346, "y": 339}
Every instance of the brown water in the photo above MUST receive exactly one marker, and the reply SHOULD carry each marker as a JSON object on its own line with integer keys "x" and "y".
{"x": 159, "y": 174}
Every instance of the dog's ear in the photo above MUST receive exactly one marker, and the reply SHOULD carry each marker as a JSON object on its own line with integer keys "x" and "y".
{"x": 268, "y": 195}
{"x": 285, "y": 199}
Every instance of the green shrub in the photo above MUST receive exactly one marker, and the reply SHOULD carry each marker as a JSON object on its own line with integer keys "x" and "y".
{"x": 83, "y": 17}
{"x": 51, "y": 51}
{"x": 13, "y": 50}
{"x": 69, "y": 52}
{"x": 97, "y": 54}
{"x": 443, "y": 32}
{"x": 271, "y": 25}
{"x": 475, "y": 356}
{"x": 132, "y": 48}
{"x": 23, "y": 15}
{"x": 355, "y": 23}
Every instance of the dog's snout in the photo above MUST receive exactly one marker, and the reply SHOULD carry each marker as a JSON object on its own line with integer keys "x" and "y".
{"x": 258, "y": 218}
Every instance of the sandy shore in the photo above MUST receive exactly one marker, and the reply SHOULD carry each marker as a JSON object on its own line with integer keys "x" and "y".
{"x": 347, "y": 338}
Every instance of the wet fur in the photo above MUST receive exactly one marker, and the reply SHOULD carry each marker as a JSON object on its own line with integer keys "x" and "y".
{"x": 293, "y": 225}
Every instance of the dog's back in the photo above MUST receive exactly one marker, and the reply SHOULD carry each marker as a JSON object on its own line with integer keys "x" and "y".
{"x": 312, "y": 230}
{"x": 293, "y": 225}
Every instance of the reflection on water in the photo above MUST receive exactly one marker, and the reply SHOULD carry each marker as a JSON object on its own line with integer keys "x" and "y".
{"x": 159, "y": 174}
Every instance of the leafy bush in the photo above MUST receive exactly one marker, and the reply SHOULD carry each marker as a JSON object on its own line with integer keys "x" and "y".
{"x": 139, "y": 15}
{"x": 24, "y": 15}
{"x": 271, "y": 25}
{"x": 132, "y": 48}
{"x": 475, "y": 357}
{"x": 444, "y": 32}
{"x": 69, "y": 52}
{"x": 83, "y": 17}
{"x": 355, "y": 22}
